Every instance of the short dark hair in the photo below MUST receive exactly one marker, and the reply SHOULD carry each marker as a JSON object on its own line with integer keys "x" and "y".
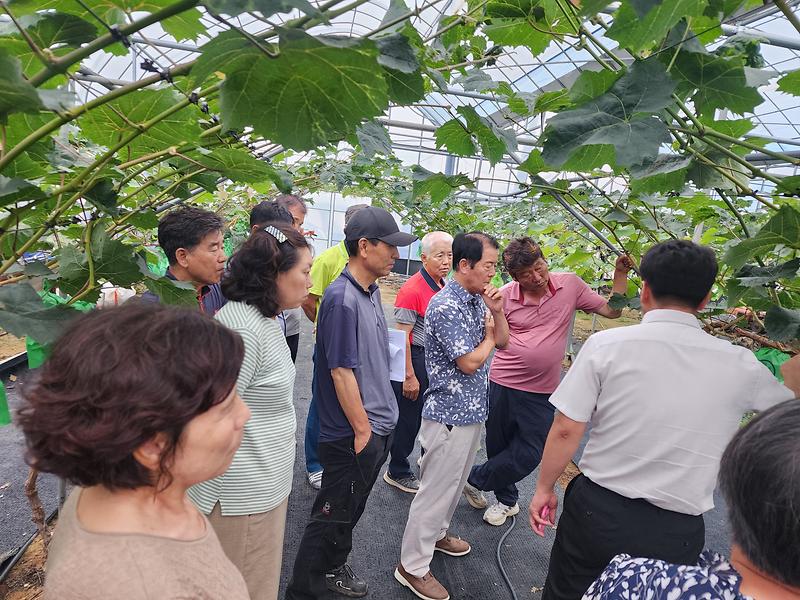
{"x": 760, "y": 479}
{"x": 152, "y": 368}
{"x": 352, "y": 245}
{"x": 469, "y": 246}
{"x": 253, "y": 269}
{"x": 268, "y": 211}
{"x": 186, "y": 228}
{"x": 287, "y": 200}
{"x": 679, "y": 271}
{"x": 520, "y": 254}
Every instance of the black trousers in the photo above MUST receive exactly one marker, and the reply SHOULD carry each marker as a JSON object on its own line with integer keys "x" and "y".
{"x": 409, "y": 419}
{"x": 597, "y": 524}
{"x": 516, "y": 431}
{"x": 293, "y": 341}
{"x": 346, "y": 483}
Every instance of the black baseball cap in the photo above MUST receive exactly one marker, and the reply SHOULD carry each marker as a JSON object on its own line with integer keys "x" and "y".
{"x": 373, "y": 223}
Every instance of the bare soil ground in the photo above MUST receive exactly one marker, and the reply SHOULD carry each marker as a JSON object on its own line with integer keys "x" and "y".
{"x": 26, "y": 579}
{"x": 10, "y": 345}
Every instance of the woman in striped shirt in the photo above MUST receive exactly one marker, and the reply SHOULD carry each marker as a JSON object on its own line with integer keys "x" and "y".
{"x": 247, "y": 504}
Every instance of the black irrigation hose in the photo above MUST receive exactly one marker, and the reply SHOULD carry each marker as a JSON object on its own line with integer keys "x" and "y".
{"x": 500, "y": 560}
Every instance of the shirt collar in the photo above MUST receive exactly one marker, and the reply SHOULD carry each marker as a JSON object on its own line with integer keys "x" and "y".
{"x": 369, "y": 291}
{"x": 202, "y": 291}
{"x": 434, "y": 285}
{"x": 553, "y": 285}
{"x": 463, "y": 295}
{"x": 665, "y": 315}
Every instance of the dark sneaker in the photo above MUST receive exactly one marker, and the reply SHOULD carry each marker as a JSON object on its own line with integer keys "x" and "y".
{"x": 343, "y": 581}
{"x": 408, "y": 484}
{"x": 425, "y": 587}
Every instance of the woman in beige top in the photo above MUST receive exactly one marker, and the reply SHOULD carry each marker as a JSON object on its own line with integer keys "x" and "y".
{"x": 134, "y": 406}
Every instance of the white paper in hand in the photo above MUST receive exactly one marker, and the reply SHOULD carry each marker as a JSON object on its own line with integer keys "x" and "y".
{"x": 397, "y": 354}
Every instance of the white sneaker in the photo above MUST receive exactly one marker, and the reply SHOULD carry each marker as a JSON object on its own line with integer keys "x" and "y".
{"x": 474, "y": 496}
{"x": 315, "y": 479}
{"x": 498, "y": 512}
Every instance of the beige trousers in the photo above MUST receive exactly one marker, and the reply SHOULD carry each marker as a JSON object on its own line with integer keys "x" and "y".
{"x": 254, "y": 543}
{"x": 449, "y": 455}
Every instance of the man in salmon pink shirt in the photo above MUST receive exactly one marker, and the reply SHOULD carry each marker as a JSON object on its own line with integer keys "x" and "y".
{"x": 539, "y": 306}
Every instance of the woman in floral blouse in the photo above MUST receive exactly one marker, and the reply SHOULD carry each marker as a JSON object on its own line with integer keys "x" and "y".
{"x": 760, "y": 479}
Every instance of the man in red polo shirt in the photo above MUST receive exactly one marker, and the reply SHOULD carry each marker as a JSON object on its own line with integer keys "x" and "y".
{"x": 409, "y": 314}
{"x": 538, "y": 306}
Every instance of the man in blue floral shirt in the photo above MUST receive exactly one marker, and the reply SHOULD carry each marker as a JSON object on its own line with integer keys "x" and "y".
{"x": 460, "y": 335}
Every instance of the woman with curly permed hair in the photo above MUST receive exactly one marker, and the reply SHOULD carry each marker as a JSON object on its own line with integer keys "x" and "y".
{"x": 124, "y": 412}
{"x": 247, "y": 504}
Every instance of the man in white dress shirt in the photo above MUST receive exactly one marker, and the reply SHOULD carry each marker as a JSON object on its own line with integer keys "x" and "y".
{"x": 664, "y": 399}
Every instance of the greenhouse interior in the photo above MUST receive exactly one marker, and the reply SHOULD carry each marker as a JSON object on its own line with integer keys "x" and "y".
{"x": 585, "y": 136}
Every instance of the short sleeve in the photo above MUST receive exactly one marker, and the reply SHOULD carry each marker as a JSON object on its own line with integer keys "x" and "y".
{"x": 577, "y": 394}
{"x": 767, "y": 390}
{"x": 450, "y": 329}
{"x": 320, "y": 276}
{"x": 586, "y": 298}
{"x": 252, "y": 358}
{"x": 406, "y": 316}
{"x": 338, "y": 327}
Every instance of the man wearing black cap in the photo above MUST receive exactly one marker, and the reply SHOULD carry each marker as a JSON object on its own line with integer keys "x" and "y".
{"x": 357, "y": 407}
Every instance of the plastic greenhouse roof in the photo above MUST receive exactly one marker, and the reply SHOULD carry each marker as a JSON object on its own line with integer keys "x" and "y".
{"x": 411, "y": 127}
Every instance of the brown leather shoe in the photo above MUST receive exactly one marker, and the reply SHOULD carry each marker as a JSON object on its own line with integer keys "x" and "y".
{"x": 452, "y": 545}
{"x": 425, "y": 587}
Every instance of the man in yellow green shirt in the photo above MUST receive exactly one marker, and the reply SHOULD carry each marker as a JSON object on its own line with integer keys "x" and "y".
{"x": 326, "y": 267}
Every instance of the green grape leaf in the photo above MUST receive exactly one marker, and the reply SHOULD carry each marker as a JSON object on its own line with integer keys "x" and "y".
{"x": 552, "y": 101}
{"x": 714, "y": 82}
{"x": 108, "y": 124}
{"x": 49, "y": 30}
{"x": 752, "y": 275}
{"x": 493, "y": 141}
{"x": 265, "y": 7}
{"x": 14, "y": 190}
{"x": 782, "y": 229}
{"x": 790, "y": 185}
{"x": 534, "y": 164}
{"x": 225, "y": 53}
{"x": 16, "y": 94}
{"x": 456, "y": 138}
{"x": 477, "y": 81}
{"x": 636, "y": 33}
{"x": 181, "y": 293}
{"x": 103, "y": 195}
{"x": 619, "y": 118}
{"x": 144, "y": 220}
{"x": 320, "y": 90}
{"x": 185, "y": 26}
{"x": 723, "y": 172}
{"x": 23, "y": 314}
{"x": 404, "y": 88}
{"x": 782, "y": 324}
{"x": 396, "y": 52}
{"x": 790, "y": 83}
{"x": 37, "y": 268}
{"x": 591, "y": 84}
{"x": 437, "y": 185}
{"x": 240, "y": 165}
{"x": 530, "y": 23}
{"x": 113, "y": 261}
{"x": 374, "y": 139}
{"x": 667, "y": 173}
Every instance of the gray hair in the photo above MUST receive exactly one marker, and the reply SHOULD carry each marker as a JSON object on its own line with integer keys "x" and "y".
{"x": 287, "y": 200}
{"x": 760, "y": 479}
{"x": 431, "y": 238}
{"x": 351, "y": 210}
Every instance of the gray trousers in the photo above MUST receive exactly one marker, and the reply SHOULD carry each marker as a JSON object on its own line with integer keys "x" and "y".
{"x": 449, "y": 455}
